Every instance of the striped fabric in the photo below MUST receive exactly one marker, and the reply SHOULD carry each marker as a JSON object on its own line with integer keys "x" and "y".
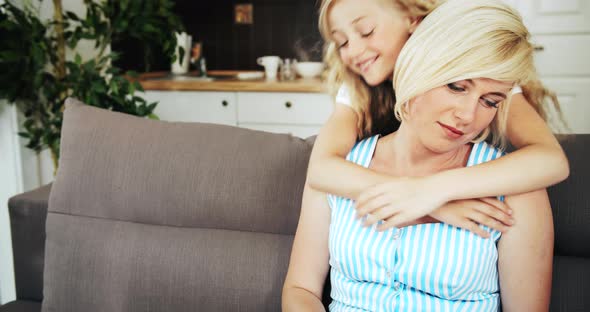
{"x": 424, "y": 267}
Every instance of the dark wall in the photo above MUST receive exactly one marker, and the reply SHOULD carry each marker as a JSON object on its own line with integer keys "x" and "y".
{"x": 287, "y": 28}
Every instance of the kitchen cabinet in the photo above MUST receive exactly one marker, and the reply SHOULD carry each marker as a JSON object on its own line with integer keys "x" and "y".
{"x": 196, "y": 106}
{"x": 297, "y": 113}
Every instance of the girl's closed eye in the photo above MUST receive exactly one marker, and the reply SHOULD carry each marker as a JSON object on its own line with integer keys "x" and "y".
{"x": 367, "y": 33}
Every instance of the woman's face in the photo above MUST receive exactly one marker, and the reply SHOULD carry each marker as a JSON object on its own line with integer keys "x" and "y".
{"x": 369, "y": 36}
{"x": 450, "y": 116}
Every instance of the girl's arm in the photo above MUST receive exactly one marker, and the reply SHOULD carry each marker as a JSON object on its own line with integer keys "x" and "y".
{"x": 328, "y": 170}
{"x": 525, "y": 254}
{"x": 309, "y": 262}
{"x": 539, "y": 161}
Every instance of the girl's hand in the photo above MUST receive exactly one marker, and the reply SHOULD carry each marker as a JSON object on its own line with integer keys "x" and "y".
{"x": 470, "y": 213}
{"x": 400, "y": 201}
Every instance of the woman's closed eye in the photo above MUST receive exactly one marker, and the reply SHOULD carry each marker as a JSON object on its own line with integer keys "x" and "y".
{"x": 490, "y": 102}
{"x": 455, "y": 87}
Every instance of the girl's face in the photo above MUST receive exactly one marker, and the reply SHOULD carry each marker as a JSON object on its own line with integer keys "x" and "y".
{"x": 369, "y": 36}
{"x": 450, "y": 116}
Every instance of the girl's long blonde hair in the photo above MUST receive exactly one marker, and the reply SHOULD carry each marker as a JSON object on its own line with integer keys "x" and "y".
{"x": 373, "y": 105}
{"x": 468, "y": 39}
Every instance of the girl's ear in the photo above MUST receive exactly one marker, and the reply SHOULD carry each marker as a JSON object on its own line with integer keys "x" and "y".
{"x": 414, "y": 23}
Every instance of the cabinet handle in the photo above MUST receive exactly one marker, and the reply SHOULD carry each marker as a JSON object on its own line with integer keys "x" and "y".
{"x": 538, "y": 48}
{"x": 224, "y": 103}
{"x": 288, "y": 105}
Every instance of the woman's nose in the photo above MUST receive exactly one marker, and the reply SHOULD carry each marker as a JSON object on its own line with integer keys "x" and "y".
{"x": 466, "y": 109}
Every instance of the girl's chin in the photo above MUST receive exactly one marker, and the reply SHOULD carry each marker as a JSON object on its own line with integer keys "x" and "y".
{"x": 375, "y": 80}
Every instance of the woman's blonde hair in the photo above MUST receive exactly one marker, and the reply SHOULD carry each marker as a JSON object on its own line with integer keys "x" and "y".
{"x": 468, "y": 39}
{"x": 373, "y": 105}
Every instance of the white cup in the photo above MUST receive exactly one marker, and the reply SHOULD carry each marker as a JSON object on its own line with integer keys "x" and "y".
{"x": 183, "y": 40}
{"x": 271, "y": 66}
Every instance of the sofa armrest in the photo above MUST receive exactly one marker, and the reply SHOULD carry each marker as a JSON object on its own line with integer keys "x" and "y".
{"x": 28, "y": 212}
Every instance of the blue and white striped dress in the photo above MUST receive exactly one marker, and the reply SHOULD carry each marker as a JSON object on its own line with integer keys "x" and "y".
{"x": 423, "y": 267}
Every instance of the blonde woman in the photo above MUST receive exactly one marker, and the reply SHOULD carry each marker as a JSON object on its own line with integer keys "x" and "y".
{"x": 453, "y": 79}
{"x": 364, "y": 39}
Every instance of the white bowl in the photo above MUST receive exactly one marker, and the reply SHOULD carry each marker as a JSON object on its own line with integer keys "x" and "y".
{"x": 309, "y": 69}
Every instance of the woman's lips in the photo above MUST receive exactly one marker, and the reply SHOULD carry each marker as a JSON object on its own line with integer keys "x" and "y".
{"x": 450, "y": 131}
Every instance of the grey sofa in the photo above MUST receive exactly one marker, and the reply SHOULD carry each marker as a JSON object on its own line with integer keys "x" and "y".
{"x": 153, "y": 216}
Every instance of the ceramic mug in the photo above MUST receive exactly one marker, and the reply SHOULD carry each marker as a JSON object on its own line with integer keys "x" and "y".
{"x": 271, "y": 65}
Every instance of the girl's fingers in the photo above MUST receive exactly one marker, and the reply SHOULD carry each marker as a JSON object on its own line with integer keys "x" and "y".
{"x": 370, "y": 193}
{"x": 372, "y": 205}
{"x": 492, "y": 210}
{"x": 498, "y": 204}
{"x": 484, "y": 219}
{"x": 474, "y": 228}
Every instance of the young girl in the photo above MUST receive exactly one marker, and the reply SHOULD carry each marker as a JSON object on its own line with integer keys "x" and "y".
{"x": 457, "y": 71}
{"x": 363, "y": 41}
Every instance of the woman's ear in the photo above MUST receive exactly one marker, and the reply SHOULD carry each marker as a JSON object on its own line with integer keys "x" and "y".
{"x": 414, "y": 23}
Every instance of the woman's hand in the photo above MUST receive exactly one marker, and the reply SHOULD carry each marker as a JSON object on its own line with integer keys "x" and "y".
{"x": 470, "y": 213}
{"x": 400, "y": 201}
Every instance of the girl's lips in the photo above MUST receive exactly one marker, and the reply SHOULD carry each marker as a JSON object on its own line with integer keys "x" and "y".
{"x": 364, "y": 66}
{"x": 450, "y": 131}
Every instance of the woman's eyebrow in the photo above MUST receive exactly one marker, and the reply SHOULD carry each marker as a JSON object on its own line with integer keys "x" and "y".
{"x": 500, "y": 94}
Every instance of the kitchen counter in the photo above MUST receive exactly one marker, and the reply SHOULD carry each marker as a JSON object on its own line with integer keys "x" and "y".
{"x": 226, "y": 80}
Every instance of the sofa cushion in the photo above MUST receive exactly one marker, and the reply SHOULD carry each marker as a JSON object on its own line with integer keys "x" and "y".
{"x": 148, "y": 215}
{"x": 123, "y": 167}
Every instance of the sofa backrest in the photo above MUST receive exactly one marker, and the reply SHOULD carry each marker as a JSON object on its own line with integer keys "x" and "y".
{"x": 570, "y": 202}
{"x": 147, "y": 215}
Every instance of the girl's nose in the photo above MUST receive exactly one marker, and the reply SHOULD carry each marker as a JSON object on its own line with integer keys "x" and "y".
{"x": 356, "y": 47}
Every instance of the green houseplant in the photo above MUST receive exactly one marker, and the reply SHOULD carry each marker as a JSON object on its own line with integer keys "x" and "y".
{"x": 37, "y": 77}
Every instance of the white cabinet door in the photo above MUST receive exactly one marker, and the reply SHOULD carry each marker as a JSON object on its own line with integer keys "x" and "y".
{"x": 555, "y": 16}
{"x": 573, "y": 95}
{"x": 283, "y": 108}
{"x": 195, "y": 106}
{"x": 562, "y": 55}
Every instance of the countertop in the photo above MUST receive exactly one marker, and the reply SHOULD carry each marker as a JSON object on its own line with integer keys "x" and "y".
{"x": 227, "y": 81}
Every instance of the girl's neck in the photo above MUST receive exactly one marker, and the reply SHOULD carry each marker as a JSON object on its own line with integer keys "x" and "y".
{"x": 405, "y": 155}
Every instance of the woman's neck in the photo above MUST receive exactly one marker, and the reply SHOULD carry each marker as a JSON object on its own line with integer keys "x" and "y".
{"x": 404, "y": 154}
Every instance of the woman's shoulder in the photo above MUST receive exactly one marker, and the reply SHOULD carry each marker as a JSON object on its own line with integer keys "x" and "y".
{"x": 483, "y": 152}
{"x": 362, "y": 152}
